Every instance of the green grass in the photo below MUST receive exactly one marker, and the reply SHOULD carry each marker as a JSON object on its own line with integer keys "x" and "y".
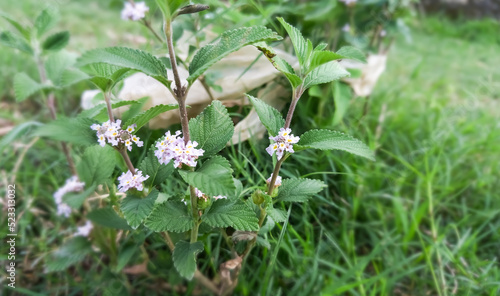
{"x": 421, "y": 220}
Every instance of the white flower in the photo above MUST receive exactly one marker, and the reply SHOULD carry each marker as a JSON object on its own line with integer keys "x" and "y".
{"x": 134, "y": 11}
{"x": 128, "y": 180}
{"x": 84, "y": 230}
{"x": 172, "y": 147}
{"x": 277, "y": 182}
{"x": 346, "y": 28}
{"x": 115, "y": 135}
{"x": 383, "y": 33}
{"x": 72, "y": 185}
{"x": 201, "y": 195}
{"x": 349, "y": 2}
{"x": 282, "y": 142}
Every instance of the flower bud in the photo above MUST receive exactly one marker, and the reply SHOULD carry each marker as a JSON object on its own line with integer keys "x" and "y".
{"x": 257, "y": 197}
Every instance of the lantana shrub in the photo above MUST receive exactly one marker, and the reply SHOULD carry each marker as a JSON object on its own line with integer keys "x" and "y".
{"x": 138, "y": 199}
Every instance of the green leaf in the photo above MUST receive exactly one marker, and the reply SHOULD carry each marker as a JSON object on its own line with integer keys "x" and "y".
{"x": 72, "y": 130}
{"x": 75, "y": 200}
{"x": 230, "y": 41}
{"x": 227, "y": 213}
{"x": 277, "y": 215}
{"x": 56, "y": 65}
{"x": 144, "y": 117}
{"x": 72, "y": 252}
{"x": 124, "y": 57}
{"x": 17, "y": 133}
{"x": 213, "y": 178}
{"x": 319, "y": 58}
{"x": 72, "y": 76}
{"x": 299, "y": 43}
{"x": 105, "y": 76}
{"x": 332, "y": 140}
{"x": 325, "y": 73}
{"x": 299, "y": 190}
{"x": 169, "y": 7}
{"x": 96, "y": 165}
{"x": 342, "y": 96}
{"x": 135, "y": 209}
{"x": 101, "y": 112}
{"x": 24, "y": 86}
{"x": 11, "y": 40}
{"x": 184, "y": 257}
{"x": 124, "y": 256}
{"x": 320, "y": 47}
{"x": 157, "y": 172}
{"x": 287, "y": 70}
{"x": 212, "y": 129}
{"x": 170, "y": 216}
{"x": 107, "y": 217}
{"x": 46, "y": 20}
{"x": 56, "y": 41}
{"x": 352, "y": 53}
{"x": 20, "y": 28}
{"x": 269, "y": 116}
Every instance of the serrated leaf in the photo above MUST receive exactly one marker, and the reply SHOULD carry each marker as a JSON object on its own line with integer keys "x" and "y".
{"x": 107, "y": 217}
{"x": 105, "y": 76}
{"x": 124, "y": 57}
{"x": 72, "y": 130}
{"x": 184, "y": 257}
{"x": 320, "y": 46}
{"x": 342, "y": 96}
{"x": 213, "y": 178}
{"x": 227, "y": 213}
{"x": 325, "y": 73}
{"x": 269, "y": 116}
{"x": 24, "y": 86}
{"x": 319, "y": 58}
{"x": 230, "y": 41}
{"x": 102, "y": 111}
{"x": 96, "y": 165}
{"x": 170, "y": 216}
{"x": 212, "y": 129}
{"x": 277, "y": 215}
{"x": 287, "y": 70}
{"x": 157, "y": 172}
{"x": 11, "y": 40}
{"x": 299, "y": 190}
{"x": 299, "y": 43}
{"x": 141, "y": 119}
{"x": 72, "y": 76}
{"x": 72, "y": 252}
{"x": 56, "y": 41}
{"x": 352, "y": 53}
{"x": 20, "y": 28}
{"x": 56, "y": 65}
{"x": 333, "y": 140}
{"x": 46, "y": 20}
{"x": 135, "y": 209}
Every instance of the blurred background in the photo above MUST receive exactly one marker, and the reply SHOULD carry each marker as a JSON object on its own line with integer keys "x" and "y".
{"x": 423, "y": 219}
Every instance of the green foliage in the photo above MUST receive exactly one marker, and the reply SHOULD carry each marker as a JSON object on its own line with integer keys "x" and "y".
{"x": 11, "y": 40}
{"x": 319, "y": 58}
{"x": 299, "y": 43}
{"x": 143, "y": 118}
{"x": 227, "y": 213}
{"x": 72, "y": 252}
{"x": 325, "y": 73}
{"x": 72, "y": 130}
{"x": 46, "y": 20}
{"x": 333, "y": 140}
{"x": 269, "y": 116}
{"x": 342, "y": 97}
{"x": 229, "y": 42}
{"x": 135, "y": 208}
{"x": 170, "y": 7}
{"x": 352, "y": 53}
{"x": 24, "y": 86}
{"x": 107, "y": 217}
{"x": 213, "y": 178}
{"x": 184, "y": 257}
{"x": 97, "y": 164}
{"x": 56, "y": 41}
{"x": 212, "y": 129}
{"x": 157, "y": 172}
{"x": 20, "y": 28}
{"x": 60, "y": 71}
{"x": 124, "y": 57}
{"x": 277, "y": 215}
{"x": 16, "y": 133}
{"x": 170, "y": 216}
{"x": 75, "y": 200}
{"x": 287, "y": 70}
{"x": 106, "y": 76}
{"x": 298, "y": 190}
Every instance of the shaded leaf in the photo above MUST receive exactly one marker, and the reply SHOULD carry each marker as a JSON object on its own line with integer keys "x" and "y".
{"x": 135, "y": 209}
{"x": 141, "y": 119}
{"x": 325, "y": 73}
{"x": 157, "y": 172}
{"x": 96, "y": 165}
{"x": 24, "y": 86}
{"x": 20, "y": 28}
{"x": 56, "y": 41}
{"x": 11, "y": 40}
{"x": 269, "y": 116}
{"x": 107, "y": 217}
{"x": 352, "y": 53}
{"x": 71, "y": 252}
{"x": 170, "y": 216}
{"x": 227, "y": 213}
{"x": 72, "y": 130}
{"x": 184, "y": 257}
{"x": 298, "y": 190}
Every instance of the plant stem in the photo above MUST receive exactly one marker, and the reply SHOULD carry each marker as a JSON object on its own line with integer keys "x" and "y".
{"x": 125, "y": 156}
{"x": 194, "y": 213}
{"x": 148, "y": 25}
{"x": 171, "y": 53}
{"x": 107, "y": 99}
{"x": 168, "y": 240}
{"x": 53, "y": 114}
{"x": 297, "y": 93}
{"x": 276, "y": 172}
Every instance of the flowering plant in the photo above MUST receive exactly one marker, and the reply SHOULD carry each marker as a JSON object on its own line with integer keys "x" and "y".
{"x": 211, "y": 200}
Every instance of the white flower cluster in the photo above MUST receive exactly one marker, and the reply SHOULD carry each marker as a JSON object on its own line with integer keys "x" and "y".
{"x": 113, "y": 133}
{"x": 277, "y": 182}
{"x": 173, "y": 147}
{"x": 282, "y": 142}
{"x": 128, "y": 180}
{"x": 134, "y": 11}
{"x": 200, "y": 194}
{"x": 72, "y": 185}
{"x": 84, "y": 230}
{"x": 349, "y": 2}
